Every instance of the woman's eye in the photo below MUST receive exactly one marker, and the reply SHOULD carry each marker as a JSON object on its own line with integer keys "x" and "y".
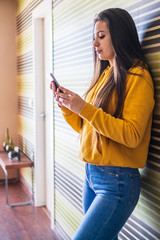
{"x": 101, "y": 37}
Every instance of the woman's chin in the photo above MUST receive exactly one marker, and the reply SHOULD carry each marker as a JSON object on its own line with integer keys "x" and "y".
{"x": 102, "y": 58}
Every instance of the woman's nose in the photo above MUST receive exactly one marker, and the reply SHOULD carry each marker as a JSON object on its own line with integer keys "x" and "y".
{"x": 95, "y": 43}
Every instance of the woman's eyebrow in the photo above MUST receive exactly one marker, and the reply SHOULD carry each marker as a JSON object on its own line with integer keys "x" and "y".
{"x": 99, "y": 32}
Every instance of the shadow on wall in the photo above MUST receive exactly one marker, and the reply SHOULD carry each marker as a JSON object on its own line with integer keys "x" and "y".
{"x": 151, "y": 173}
{"x": 150, "y": 45}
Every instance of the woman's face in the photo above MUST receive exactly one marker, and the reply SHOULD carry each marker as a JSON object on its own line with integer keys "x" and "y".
{"x": 102, "y": 42}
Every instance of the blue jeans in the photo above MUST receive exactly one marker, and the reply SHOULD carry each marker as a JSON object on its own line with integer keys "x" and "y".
{"x": 110, "y": 194}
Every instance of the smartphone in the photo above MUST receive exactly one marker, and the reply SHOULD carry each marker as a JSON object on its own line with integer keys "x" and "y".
{"x": 55, "y": 81}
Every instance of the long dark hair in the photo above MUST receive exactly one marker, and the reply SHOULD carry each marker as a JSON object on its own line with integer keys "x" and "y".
{"x": 128, "y": 53}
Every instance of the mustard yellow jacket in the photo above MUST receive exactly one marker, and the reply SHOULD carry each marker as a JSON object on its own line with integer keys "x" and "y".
{"x": 122, "y": 141}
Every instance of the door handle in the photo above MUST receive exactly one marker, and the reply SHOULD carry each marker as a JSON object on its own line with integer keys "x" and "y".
{"x": 42, "y": 115}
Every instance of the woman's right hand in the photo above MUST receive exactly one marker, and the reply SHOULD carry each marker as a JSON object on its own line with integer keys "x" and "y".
{"x": 53, "y": 87}
{"x": 54, "y": 90}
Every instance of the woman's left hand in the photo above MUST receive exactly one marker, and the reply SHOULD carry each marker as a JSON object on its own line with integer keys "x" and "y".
{"x": 69, "y": 100}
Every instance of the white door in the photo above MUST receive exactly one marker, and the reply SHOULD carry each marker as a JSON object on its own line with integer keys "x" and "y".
{"x": 42, "y": 57}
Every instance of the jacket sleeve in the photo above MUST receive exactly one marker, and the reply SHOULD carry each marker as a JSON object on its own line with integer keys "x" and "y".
{"x": 73, "y": 119}
{"x": 138, "y": 107}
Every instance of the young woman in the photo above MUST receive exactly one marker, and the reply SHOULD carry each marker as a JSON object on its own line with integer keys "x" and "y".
{"x": 114, "y": 122}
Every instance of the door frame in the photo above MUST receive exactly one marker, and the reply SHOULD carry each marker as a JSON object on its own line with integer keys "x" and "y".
{"x": 43, "y": 12}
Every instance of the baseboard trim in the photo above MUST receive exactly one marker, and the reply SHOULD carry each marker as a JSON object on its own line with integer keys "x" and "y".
{"x": 47, "y": 212}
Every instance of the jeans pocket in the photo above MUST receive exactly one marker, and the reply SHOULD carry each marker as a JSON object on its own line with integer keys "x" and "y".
{"x": 135, "y": 188}
{"x": 107, "y": 170}
{"x": 105, "y": 181}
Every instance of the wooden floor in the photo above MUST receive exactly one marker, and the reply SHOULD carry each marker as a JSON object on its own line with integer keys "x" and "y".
{"x": 22, "y": 223}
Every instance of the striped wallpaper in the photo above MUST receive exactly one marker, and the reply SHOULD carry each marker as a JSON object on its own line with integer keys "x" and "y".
{"x": 73, "y": 21}
{"x": 25, "y": 82}
{"x": 72, "y": 63}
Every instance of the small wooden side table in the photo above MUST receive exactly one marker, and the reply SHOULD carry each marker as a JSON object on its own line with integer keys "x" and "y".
{"x": 7, "y": 163}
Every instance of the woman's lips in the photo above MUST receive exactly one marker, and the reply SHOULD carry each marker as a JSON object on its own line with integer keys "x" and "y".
{"x": 98, "y": 51}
